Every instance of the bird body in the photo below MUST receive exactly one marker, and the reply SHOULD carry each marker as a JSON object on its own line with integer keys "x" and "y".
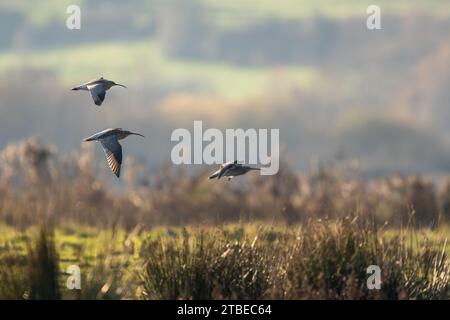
{"x": 109, "y": 138}
{"x": 231, "y": 169}
{"x": 97, "y": 88}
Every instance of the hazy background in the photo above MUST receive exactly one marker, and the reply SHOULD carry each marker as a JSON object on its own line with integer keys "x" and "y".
{"x": 334, "y": 88}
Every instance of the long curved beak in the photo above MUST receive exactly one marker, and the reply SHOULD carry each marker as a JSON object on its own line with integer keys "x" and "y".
{"x": 120, "y": 85}
{"x": 138, "y": 134}
{"x": 251, "y": 168}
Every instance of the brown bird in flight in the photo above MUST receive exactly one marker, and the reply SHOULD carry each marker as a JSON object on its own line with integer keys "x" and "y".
{"x": 98, "y": 88}
{"x": 231, "y": 169}
{"x": 109, "y": 138}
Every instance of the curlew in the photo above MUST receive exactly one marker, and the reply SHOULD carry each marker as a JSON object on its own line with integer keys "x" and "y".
{"x": 230, "y": 170}
{"x": 98, "y": 89}
{"x": 109, "y": 138}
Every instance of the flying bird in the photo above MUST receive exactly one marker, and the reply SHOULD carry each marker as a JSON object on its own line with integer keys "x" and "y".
{"x": 98, "y": 88}
{"x": 109, "y": 138}
{"x": 231, "y": 169}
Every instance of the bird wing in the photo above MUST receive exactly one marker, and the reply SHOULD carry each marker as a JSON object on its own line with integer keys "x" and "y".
{"x": 113, "y": 152}
{"x": 225, "y": 169}
{"x": 98, "y": 93}
{"x": 94, "y": 81}
{"x": 100, "y": 135}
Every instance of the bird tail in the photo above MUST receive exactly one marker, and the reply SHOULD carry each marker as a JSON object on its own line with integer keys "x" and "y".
{"x": 214, "y": 175}
{"x": 91, "y": 138}
{"x": 82, "y": 87}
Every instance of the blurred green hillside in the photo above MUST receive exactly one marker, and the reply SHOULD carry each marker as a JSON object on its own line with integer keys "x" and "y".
{"x": 310, "y": 68}
{"x": 147, "y": 63}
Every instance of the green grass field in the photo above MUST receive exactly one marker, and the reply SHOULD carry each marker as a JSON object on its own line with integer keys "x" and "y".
{"x": 195, "y": 262}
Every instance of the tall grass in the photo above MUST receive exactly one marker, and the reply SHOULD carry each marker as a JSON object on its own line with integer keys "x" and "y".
{"x": 34, "y": 275}
{"x": 330, "y": 261}
{"x": 323, "y": 260}
{"x": 13, "y": 277}
{"x": 43, "y": 269}
{"x": 205, "y": 266}
{"x": 320, "y": 260}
